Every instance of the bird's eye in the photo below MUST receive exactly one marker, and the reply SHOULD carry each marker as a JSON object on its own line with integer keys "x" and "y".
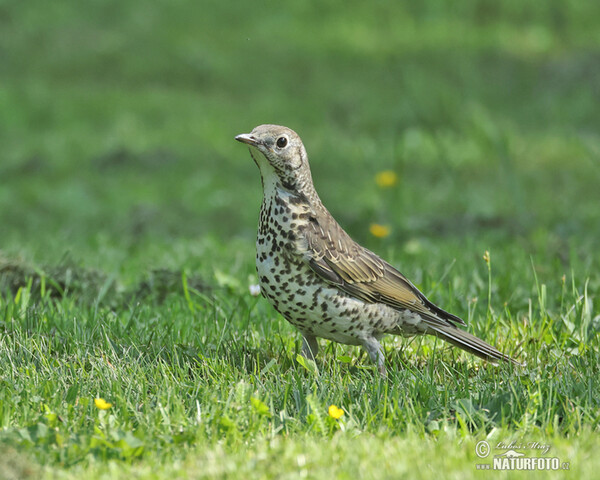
{"x": 281, "y": 142}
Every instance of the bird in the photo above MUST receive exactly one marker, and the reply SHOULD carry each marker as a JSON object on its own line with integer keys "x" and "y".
{"x": 323, "y": 282}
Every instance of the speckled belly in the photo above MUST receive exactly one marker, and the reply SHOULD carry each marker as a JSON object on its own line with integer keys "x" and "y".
{"x": 320, "y": 309}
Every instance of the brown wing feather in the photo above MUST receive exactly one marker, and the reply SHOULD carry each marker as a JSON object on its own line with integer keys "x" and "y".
{"x": 337, "y": 258}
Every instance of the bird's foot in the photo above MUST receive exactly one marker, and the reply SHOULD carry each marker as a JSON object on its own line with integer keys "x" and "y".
{"x": 375, "y": 351}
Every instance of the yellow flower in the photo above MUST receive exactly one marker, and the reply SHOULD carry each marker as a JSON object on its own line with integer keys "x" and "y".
{"x": 102, "y": 404}
{"x": 335, "y": 412}
{"x": 486, "y": 256}
{"x": 379, "y": 231}
{"x": 386, "y": 179}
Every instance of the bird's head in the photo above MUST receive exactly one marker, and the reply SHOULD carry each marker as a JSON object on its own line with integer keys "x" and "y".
{"x": 278, "y": 150}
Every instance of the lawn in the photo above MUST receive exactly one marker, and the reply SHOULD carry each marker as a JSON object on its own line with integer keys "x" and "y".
{"x": 128, "y": 218}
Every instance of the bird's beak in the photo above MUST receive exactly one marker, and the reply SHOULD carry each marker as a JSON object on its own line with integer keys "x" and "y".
{"x": 248, "y": 139}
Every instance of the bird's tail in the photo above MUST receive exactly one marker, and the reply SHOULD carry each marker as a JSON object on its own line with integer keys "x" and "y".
{"x": 470, "y": 343}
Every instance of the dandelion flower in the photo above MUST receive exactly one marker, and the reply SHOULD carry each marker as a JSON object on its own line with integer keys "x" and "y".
{"x": 102, "y": 404}
{"x": 335, "y": 412}
{"x": 386, "y": 179}
{"x": 379, "y": 231}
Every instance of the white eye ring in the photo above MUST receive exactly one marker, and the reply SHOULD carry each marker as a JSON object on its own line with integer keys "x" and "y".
{"x": 282, "y": 142}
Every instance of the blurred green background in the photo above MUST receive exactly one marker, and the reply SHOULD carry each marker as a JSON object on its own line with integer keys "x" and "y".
{"x": 117, "y": 122}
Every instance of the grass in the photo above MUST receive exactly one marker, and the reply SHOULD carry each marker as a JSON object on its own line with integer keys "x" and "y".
{"x": 128, "y": 217}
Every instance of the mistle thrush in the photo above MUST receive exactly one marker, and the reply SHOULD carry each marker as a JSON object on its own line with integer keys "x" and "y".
{"x": 322, "y": 281}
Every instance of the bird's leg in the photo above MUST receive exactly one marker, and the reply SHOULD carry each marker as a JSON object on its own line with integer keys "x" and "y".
{"x": 310, "y": 346}
{"x": 375, "y": 351}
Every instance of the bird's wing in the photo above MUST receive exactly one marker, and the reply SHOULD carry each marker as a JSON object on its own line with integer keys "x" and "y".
{"x": 338, "y": 259}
